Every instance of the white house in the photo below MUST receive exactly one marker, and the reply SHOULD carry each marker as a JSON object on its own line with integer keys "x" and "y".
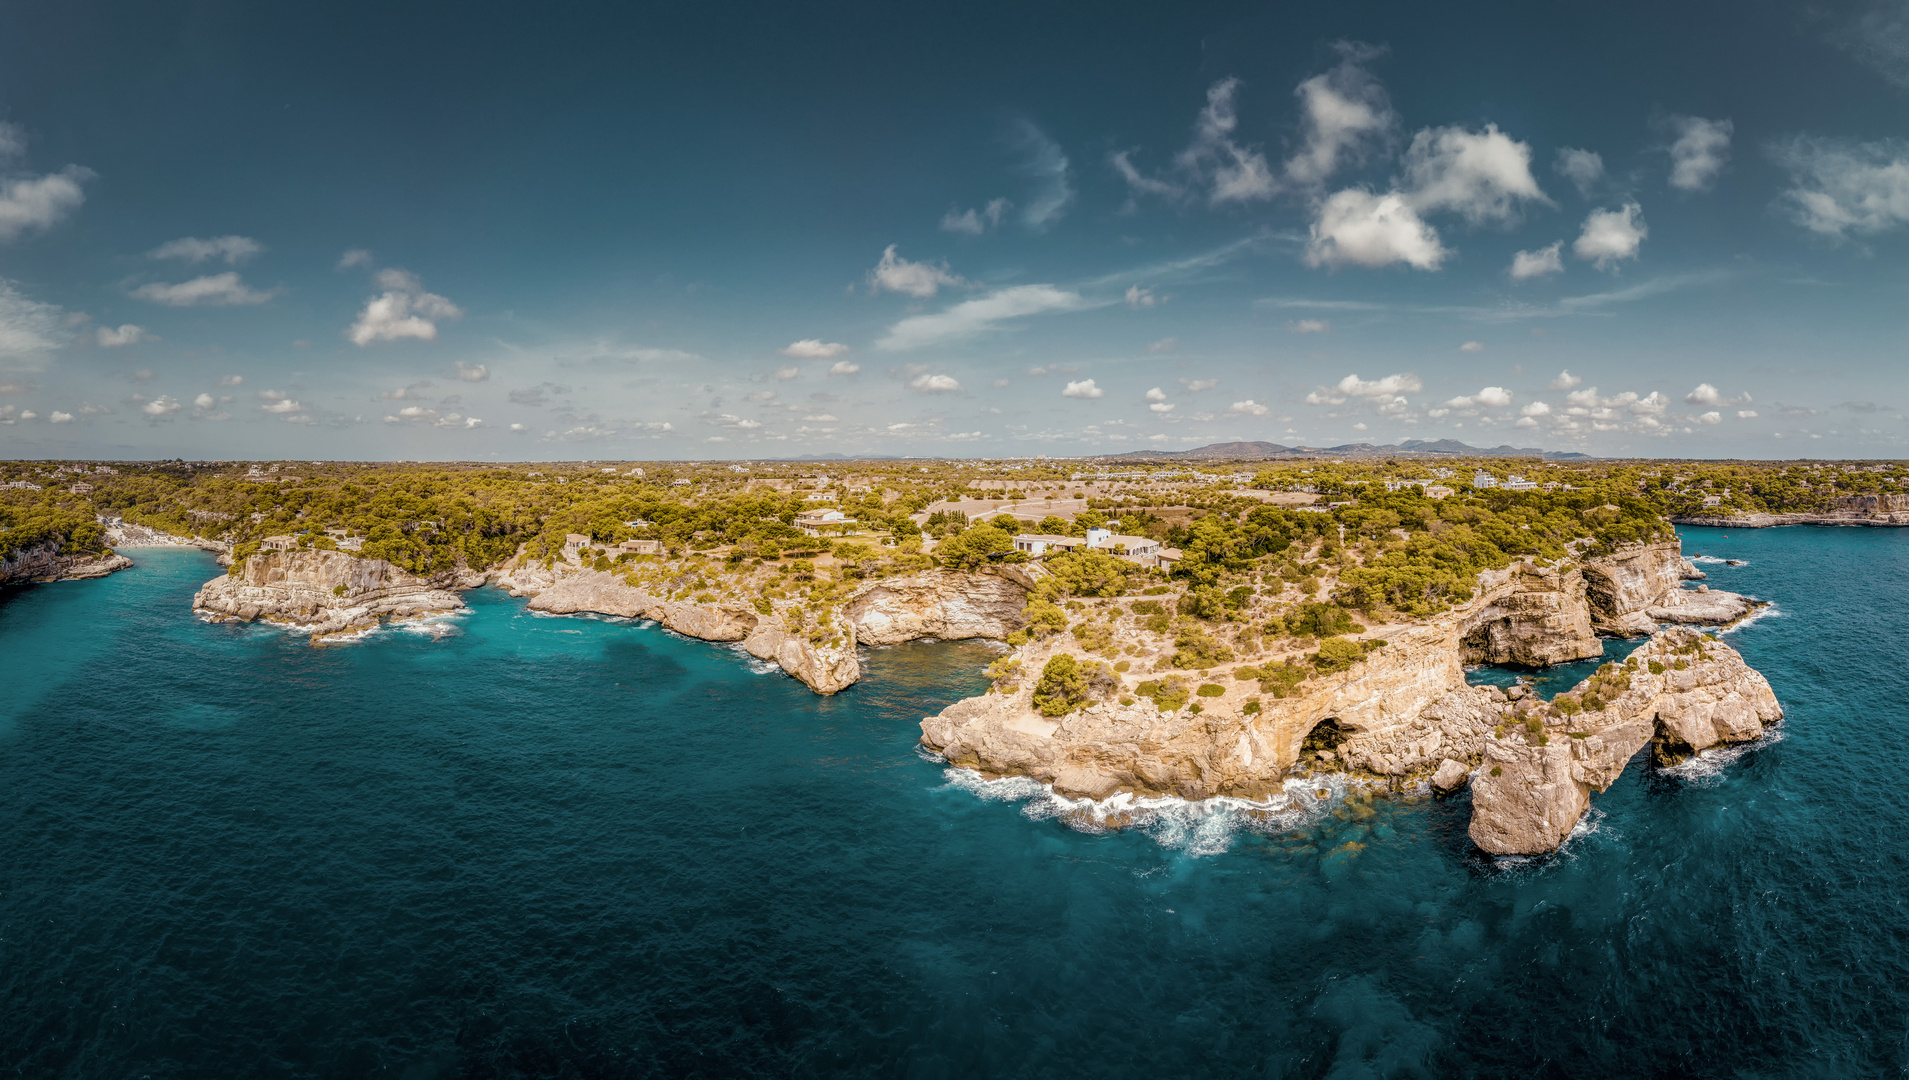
{"x": 812, "y": 522}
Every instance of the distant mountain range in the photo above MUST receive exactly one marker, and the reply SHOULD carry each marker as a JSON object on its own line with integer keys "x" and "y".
{"x": 1413, "y": 448}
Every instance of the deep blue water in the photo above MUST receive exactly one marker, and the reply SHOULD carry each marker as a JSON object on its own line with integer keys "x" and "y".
{"x": 575, "y": 847}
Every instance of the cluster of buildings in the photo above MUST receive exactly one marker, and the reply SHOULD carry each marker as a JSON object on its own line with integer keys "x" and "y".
{"x": 1134, "y": 549}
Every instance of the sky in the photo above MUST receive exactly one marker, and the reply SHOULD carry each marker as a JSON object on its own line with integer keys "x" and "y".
{"x": 721, "y": 231}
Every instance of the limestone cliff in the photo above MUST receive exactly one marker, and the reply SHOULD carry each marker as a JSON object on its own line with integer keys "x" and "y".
{"x": 1684, "y": 694}
{"x": 326, "y": 592}
{"x": 946, "y": 604}
{"x": 1874, "y": 510}
{"x": 43, "y": 562}
{"x": 1622, "y": 587}
{"x": 1541, "y": 619}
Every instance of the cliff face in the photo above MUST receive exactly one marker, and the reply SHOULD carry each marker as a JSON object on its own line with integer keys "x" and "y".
{"x": 1876, "y": 510}
{"x": 944, "y": 604}
{"x": 43, "y": 562}
{"x": 1541, "y": 619}
{"x": 1624, "y": 586}
{"x": 325, "y": 592}
{"x": 1530, "y": 792}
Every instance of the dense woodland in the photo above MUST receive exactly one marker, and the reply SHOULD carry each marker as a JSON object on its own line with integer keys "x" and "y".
{"x": 1397, "y": 552}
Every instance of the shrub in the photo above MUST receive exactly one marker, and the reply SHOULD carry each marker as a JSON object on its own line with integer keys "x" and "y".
{"x": 1062, "y": 687}
{"x": 1196, "y": 708}
{"x": 1167, "y": 695}
{"x": 1567, "y": 705}
{"x": 1534, "y": 724}
{"x": 1158, "y": 623}
{"x": 1282, "y": 680}
{"x": 1156, "y": 590}
{"x": 1044, "y": 619}
{"x": 1198, "y": 649}
{"x": 1338, "y": 654}
{"x": 1321, "y": 621}
{"x": 1656, "y": 668}
{"x": 763, "y": 606}
{"x": 1146, "y": 607}
{"x": 1498, "y": 770}
{"x": 1211, "y": 690}
{"x": 1251, "y": 708}
{"x": 1122, "y": 666}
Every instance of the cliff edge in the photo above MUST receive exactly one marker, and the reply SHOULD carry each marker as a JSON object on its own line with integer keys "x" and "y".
{"x": 326, "y": 593}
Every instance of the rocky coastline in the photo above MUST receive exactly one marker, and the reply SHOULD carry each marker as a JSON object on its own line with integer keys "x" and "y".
{"x": 327, "y": 594}
{"x": 44, "y": 563}
{"x": 1881, "y": 511}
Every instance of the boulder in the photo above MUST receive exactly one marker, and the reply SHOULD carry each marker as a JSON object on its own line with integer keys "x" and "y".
{"x": 1451, "y": 776}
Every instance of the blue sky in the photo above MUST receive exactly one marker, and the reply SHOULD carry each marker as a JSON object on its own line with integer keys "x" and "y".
{"x": 722, "y": 231}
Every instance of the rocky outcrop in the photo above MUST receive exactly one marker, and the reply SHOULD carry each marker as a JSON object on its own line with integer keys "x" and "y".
{"x": 1622, "y": 587}
{"x": 1541, "y": 619}
{"x": 1876, "y": 510}
{"x": 1702, "y": 605}
{"x": 325, "y": 593}
{"x": 43, "y": 562}
{"x": 946, "y": 604}
{"x": 1536, "y": 784}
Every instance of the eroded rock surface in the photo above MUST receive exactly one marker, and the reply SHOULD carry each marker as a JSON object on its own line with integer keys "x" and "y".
{"x": 945, "y": 604}
{"x": 1874, "y": 510}
{"x": 1537, "y": 785}
{"x": 326, "y": 592}
{"x": 1541, "y": 619}
{"x": 1622, "y": 587}
{"x": 43, "y": 562}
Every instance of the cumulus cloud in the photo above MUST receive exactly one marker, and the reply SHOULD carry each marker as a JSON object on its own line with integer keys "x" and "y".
{"x": 1212, "y": 162}
{"x": 163, "y": 405}
{"x": 1712, "y": 417}
{"x": 1699, "y": 151}
{"x": 57, "y": 417}
{"x": 37, "y": 203}
{"x": 1389, "y": 391}
{"x": 1156, "y": 395}
{"x": 1536, "y": 408}
{"x": 896, "y": 274}
{"x": 126, "y": 334}
{"x": 213, "y": 290}
{"x": 1611, "y": 236}
{"x": 844, "y": 367}
{"x": 1526, "y": 265}
{"x": 472, "y": 372}
{"x": 1839, "y": 187}
{"x": 354, "y": 257}
{"x": 784, "y": 374}
{"x": 813, "y": 349}
{"x": 1138, "y": 297}
{"x": 1194, "y": 386}
{"x": 403, "y": 310}
{"x": 1472, "y": 346}
{"x": 1481, "y": 175}
{"x": 1084, "y": 388}
{"x": 1565, "y": 381}
{"x": 231, "y": 249}
{"x": 1706, "y": 394}
{"x": 975, "y": 222}
{"x": 1491, "y": 397}
{"x": 1746, "y": 414}
{"x": 935, "y": 384}
{"x": 418, "y": 414}
{"x": 1047, "y": 166}
{"x": 1586, "y": 409}
{"x": 279, "y": 404}
{"x": 979, "y": 315}
{"x": 1309, "y": 326}
{"x": 1357, "y": 228}
{"x": 1343, "y": 113}
{"x": 232, "y": 380}
{"x": 1249, "y": 407}
{"x": 1583, "y": 168}
{"x": 1163, "y": 345}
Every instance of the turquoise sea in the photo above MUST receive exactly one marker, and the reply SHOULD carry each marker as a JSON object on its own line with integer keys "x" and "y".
{"x": 579, "y": 847}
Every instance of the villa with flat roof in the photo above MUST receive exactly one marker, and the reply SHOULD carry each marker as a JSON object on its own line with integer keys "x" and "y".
{"x": 1137, "y": 549}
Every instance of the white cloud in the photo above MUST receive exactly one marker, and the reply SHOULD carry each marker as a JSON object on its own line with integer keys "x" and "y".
{"x": 213, "y": 290}
{"x": 1309, "y": 326}
{"x": 1612, "y": 235}
{"x": 163, "y": 405}
{"x": 784, "y": 374}
{"x": 1357, "y": 228}
{"x": 1536, "y": 408}
{"x": 472, "y": 372}
{"x": 34, "y": 203}
{"x": 28, "y": 328}
{"x": 813, "y": 349}
{"x": 55, "y": 417}
{"x": 1525, "y": 422}
{"x": 1712, "y": 417}
{"x": 204, "y": 401}
{"x": 1156, "y": 394}
{"x": 1249, "y": 407}
{"x": 1232, "y": 172}
{"x": 127, "y": 334}
{"x": 280, "y": 404}
{"x": 1138, "y": 297}
{"x": 1139, "y": 183}
{"x": 232, "y": 249}
{"x": 1048, "y": 168}
{"x": 972, "y": 317}
{"x": 1565, "y": 381}
{"x": 975, "y": 222}
{"x": 935, "y": 384}
{"x": 1746, "y": 414}
{"x": 354, "y": 257}
{"x": 1491, "y": 397}
{"x": 1387, "y": 391}
{"x": 1342, "y": 113}
{"x": 1194, "y": 386}
{"x": 1584, "y": 168}
{"x": 1163, "y": 345}
{"x": 13, "y": 140}
{"x": 232, "y": 380}
{"x": 1699, "y": 153}
{"x": 1160, "y": 407}
{"x": 1084, "y": 388}
{"x": 1481, "y": 175}
{"x": 896, "y": 274}
{"x": 1586, "y": 409}
{"x": 1472, "y": 346}
{"x": 1526, "y": 265}
{"x": 403, "y": 310}
{"x": 1706, "y": 394}
{"x": 1841, "y": 187}
{"x": 844, "y": 367}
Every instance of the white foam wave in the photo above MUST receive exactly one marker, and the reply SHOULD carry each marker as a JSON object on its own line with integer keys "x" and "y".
{"x": 1198, "y": 827}
{"x": 1712, "y": 560}
{"x": 1706, "y": 767}
{"x": 1767, "y": 611}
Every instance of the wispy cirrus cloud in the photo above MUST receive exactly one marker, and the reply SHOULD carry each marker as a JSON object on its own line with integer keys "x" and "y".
{"x": 980, "y": 315}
